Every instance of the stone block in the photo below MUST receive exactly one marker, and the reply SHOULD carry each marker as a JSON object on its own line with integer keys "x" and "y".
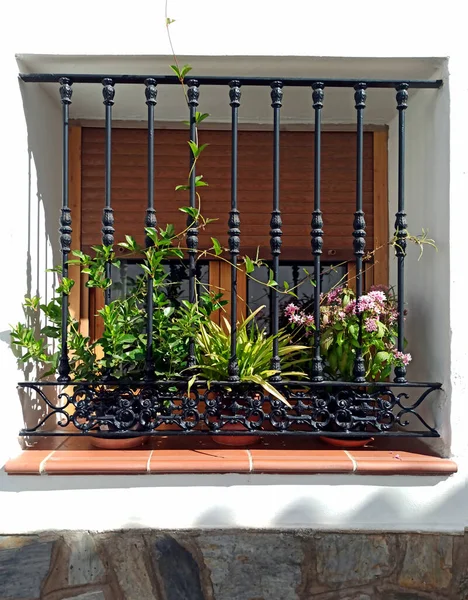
{"x": 84, "y": 566}
{"x": 253, "y": 565}
{"x": 177, "y": 569}
{"x": 353, "y": 559}
{"x": 427, "y": 565}
{"x": 24, "y": 565}
{"x": 128, "y": 557}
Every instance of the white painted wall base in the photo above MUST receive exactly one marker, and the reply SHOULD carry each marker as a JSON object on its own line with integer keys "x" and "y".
{"x": 322, "y": 502}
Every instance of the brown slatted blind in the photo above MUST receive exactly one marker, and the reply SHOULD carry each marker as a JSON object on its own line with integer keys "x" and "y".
{"x": 129, "y": 186}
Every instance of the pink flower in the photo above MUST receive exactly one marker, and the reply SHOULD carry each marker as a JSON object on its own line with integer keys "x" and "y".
{"x": 290, "y": 309}
{"x": 333, "y": 295}
{"x": 351, "y": 307}
{"x": 364, "y": 303}
{"x": 295, "y": 318}
{"x": 403, "y": 357}
{"x": 341, "y": 314}
{"x": 371, "y": 325}
{"x": 380, "y": 288}
{"x": 309, "y": 320}
{"x": 378, "y": 296}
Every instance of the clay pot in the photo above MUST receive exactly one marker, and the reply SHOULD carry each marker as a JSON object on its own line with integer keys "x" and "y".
{"x": 339, "y": 442}
{"x": 235, "y": 440}
{"x": 118, "y": 443}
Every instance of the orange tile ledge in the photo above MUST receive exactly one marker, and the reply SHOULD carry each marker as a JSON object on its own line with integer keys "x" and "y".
{"x": 75, "y": 458}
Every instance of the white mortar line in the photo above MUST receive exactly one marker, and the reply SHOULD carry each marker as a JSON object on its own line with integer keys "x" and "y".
{"x": 42, "y": 465}
{"x": 249, "y": 454}
{"x": 148, "y": 464}
{"x": 350, "y": 456}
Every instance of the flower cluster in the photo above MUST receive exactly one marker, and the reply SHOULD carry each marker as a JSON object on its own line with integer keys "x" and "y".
{"x": 298, "y": 317}
{"x": 402, "y": 357}
{"x": 347, "y": 324}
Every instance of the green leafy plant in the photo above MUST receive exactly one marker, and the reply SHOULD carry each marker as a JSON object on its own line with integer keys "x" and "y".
{"x": 121, "y": 349}
{"x": 254, "y": 353}
{"x": 340, "y": 318}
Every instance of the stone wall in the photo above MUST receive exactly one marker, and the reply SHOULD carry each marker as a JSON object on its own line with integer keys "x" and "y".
{"x": 233, "y": 565}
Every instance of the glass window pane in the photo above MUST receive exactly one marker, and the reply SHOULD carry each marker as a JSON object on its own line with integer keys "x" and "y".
{"x": 299, "y": 278}
{"x": 124, "y": 279}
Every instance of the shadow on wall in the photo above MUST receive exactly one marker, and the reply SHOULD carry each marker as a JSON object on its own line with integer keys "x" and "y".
{"x": 44, "y": 128}
{"x": 293, "y": 501}
{"x": 427, "y": 200}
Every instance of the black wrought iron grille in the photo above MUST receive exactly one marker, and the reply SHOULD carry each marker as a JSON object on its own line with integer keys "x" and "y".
{"x": 162, "y": 407}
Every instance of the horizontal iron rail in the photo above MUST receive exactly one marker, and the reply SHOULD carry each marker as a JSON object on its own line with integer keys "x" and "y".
{"x": 289, "y": 383}
{"x": 225, "y": 80}
{"x": 256, "y": 432}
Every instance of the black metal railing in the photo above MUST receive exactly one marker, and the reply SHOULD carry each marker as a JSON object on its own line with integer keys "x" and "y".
{"x": 170, "y": 407}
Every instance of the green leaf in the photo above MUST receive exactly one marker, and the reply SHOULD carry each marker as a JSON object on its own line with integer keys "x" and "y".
{"x": 49, "y": 331}
{"x": 217, "y": 246}
{"x": 191, "y": 381}
{"x": 201, "y": 148}
{"x": 185, "y": 69}
{"x": 65, "y": 286}
{"x": 381, "y": 357}
{"x": 249, "y": 266}
{"x": 199, "y": 117}
{"x": 169, "y": 21}
{"x": 184, "y": 188}
{"x": 191, "y": 210}
{"x": 130, "y": 243}
{"x": 271, "y": 281}
{"x": 32, "y": 302}
{"x": 199, "y": 181}
{"x": 194, "y": 148}
{"x": 152, "y": 234}
{"x": 175, "y": 68}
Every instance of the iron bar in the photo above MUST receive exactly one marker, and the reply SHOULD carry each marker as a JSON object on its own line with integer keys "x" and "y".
{"x": 193, "y": 94}
{"x": 359, "y": 224}
{"x": 317, "y": 229}
{"x": 275, "y": 225}
{"x": 182, "y": 383}
{"x": 66, "y": 92}
{"x": 401, "y": 225}
{"x": 223, "y": 80}
{"x": 151, "y": 93}
{"x": 234, "y": 225}
{"x": 108, "y": 93}
{"x": 229, "y": 432}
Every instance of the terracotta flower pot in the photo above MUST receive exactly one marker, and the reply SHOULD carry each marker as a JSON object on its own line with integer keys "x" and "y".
{"x": 118, "y": 442}
{"x": 340, "y": 442}
{"x": 235, "y": 440}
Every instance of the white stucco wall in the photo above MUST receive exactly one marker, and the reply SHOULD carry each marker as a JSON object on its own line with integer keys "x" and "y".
{"x": 437, "y": 134}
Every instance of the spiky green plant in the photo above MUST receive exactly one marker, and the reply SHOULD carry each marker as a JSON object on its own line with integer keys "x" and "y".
{"x": 254, "y": 353}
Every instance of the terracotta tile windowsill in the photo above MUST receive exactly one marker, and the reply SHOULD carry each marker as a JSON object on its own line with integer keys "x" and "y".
{"x": 76, "y": 456}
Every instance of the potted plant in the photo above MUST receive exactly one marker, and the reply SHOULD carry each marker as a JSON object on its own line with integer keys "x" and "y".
{"x": 340, "y": 318}
{"x": 254, "y": 350}
{"x": 118, "y": 355}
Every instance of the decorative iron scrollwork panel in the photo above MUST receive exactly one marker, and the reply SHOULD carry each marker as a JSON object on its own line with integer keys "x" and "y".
{"x": 170, "y": 407}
